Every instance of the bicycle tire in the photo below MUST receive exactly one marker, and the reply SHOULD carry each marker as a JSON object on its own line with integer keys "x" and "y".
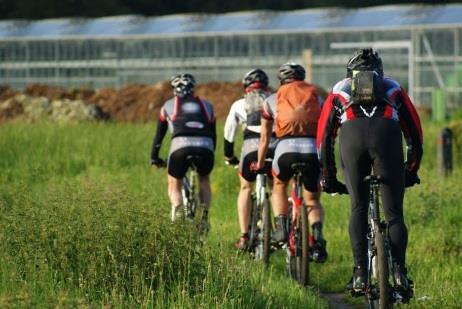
{"x": 384, "y": 301}
{"x": 253, "y": 227}
{"x": 266, "y": 233}
{"x": 302, "y": 246}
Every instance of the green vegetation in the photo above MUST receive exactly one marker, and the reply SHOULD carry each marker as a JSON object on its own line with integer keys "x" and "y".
{"x": 84, "y": 222}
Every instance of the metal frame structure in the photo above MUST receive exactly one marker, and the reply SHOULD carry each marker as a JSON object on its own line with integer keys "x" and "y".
{"x": 420, "y": 47}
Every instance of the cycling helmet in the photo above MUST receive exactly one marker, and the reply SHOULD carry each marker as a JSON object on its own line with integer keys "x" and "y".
{"x": 183, "y": 84}
{"x": 365, "y": 60}
{"x": 290, "y": 71}
{"x": 255, "y": 76}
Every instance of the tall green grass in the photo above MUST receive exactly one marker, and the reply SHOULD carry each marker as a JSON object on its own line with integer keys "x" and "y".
{"x": 84, "y": 222}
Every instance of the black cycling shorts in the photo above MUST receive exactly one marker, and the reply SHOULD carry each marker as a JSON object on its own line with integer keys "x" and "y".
{"x": 178, "y": 166}
{"x": 310, "y": 176}
{"x": 291, "y": 150}
{"x": 249, "y": 155}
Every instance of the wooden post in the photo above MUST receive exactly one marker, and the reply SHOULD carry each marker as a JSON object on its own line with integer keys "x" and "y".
{"x": 445, "y": 152}
{"x": 308, "y": 64}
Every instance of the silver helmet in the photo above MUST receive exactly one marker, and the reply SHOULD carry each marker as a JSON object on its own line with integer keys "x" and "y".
{"x": 289, "y": 72}
{"x": 183, "y": 84}
{"x": 255, "y": 76}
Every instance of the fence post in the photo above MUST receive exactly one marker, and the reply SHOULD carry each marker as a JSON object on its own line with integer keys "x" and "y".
{"x": 438, "y": 104}
{"x": 445, "y": 152}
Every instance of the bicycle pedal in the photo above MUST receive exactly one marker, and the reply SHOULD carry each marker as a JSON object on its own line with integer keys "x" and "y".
{"x": 357, "y": 293}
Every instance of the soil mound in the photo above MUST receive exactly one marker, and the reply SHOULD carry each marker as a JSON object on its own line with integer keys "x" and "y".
{"x": 130, "y": 103}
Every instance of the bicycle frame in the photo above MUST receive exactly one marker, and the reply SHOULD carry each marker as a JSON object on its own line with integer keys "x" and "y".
{"x": 298, "y": 247}
{"x": 260, "y": 218}
{"x": 189, "y": 192}
{"x": 297, "y": 202}
{"x": 376, "y": 227}
{"x": 374, "y": 221}
{"x": 260, "y": 188}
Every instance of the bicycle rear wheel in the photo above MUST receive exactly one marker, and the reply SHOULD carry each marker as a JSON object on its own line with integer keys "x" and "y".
{"x": 254, "y": 230}
{"x": 266, "y": 233}
{"x": 382, "y": 274}
{"x": 302, "y": 246}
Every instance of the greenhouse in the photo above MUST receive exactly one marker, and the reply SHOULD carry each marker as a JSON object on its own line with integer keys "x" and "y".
{"x": 421, "y": 47}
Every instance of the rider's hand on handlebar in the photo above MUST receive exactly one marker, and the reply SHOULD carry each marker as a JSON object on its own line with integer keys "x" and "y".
{"x": 410, "y": 179}
{"x": 158, "y": 162}
{"x": 256, "y": 166}
{"x": 232, "y": 161}
{"x": 333, "y": 186}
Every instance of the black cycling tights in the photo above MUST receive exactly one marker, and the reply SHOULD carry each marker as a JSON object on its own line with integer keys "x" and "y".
{"x": 367, "y": 143}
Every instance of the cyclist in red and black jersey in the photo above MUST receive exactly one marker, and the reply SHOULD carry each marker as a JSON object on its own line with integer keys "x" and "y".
{"x": 192, "y": 123}
{"x": 373, "y": 111}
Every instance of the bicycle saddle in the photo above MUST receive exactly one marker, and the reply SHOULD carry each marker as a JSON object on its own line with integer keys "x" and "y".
{"x": 192, "y": 159}
{"x": 299, "y": 166}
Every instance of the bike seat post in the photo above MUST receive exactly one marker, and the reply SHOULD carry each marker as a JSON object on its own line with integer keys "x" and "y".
{"x": 191, "y": 161}
{"x": 298, "y": 169}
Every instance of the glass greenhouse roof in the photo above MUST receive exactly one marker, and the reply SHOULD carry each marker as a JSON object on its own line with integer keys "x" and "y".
{"x": 394, "y": 16}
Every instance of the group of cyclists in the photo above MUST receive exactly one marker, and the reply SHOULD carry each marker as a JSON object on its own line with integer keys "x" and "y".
{"x": 294, "y": 124}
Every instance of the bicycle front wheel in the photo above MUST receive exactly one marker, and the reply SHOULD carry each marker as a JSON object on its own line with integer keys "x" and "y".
{"x": 302, "y": 246}
{"x": 382, "y": 273}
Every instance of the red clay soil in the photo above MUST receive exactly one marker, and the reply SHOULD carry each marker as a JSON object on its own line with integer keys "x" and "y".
{"x": 131, "y": 103}
{"x": 6, "y": 92}
{"x": 58, "y": 93}
{"x": 143, "y": 102}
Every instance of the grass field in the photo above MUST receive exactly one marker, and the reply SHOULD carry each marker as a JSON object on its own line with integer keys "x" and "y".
{"x": 84, "y": 223}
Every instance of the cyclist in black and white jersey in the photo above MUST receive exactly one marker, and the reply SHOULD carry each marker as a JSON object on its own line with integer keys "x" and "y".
{"x": 246, "y": 112}
{"x": 191, "y": 121}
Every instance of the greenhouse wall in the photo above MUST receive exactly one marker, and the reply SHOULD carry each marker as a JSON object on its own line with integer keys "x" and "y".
{"x": 422, "y": 59}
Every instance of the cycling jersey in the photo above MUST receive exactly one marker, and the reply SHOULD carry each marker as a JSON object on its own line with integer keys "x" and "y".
{"x": 293, "y": 148}
{"x": 191, "y": 122}
{"x": 245, "y": 112}
{"x": 190, "y": 116}
{"x": 338, "y": 109}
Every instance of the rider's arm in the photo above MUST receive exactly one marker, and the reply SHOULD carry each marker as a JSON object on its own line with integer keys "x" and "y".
{"x": 214, "y": 134}
{"x": 162, "y": 127}
{"x": 231, "y": 124}
{"x": 328, "y": 125}
{"x": 265, "y": 135}
{"x": 412, "y": 130}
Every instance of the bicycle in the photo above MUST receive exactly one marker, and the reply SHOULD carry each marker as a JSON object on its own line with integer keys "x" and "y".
{"x": 260, "y": 226}
{"x": 297, "y": 249}
{"x": 190, "y": 194}
{"x": 378, "y": 291}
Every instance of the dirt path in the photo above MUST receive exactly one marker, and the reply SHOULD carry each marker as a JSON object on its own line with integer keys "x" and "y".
{"x": 337, "y": 301}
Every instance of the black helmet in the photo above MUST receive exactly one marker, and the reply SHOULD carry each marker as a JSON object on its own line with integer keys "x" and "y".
{"x": 182, "y": 84}
{"x": 290, "y": 71}
{"x": 365, "y": 60}
{"x": 255, "y": 76}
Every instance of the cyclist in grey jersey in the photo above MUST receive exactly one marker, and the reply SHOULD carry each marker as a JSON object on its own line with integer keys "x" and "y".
{"x": 191, "y": 122}
{"x": 246, "y": 112}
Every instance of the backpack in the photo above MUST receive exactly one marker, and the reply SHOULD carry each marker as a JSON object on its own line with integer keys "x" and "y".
{"x": 366, "y": 88}
{"x": 297, "y": 110}
{"x": 253, "y": 102}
